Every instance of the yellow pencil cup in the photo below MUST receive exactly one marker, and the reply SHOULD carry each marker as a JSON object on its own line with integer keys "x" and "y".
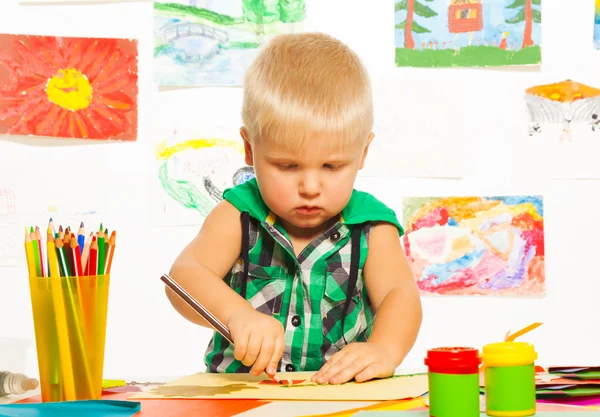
{"x": 69, "y": 315}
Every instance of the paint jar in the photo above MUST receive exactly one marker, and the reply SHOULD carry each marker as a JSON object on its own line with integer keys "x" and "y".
{"x": 509, "y": 379}
{"x": 453, "y": 381}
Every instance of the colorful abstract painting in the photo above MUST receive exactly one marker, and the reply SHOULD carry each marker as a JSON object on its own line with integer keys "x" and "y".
{"x": 212, "y": 42}
{"x": 476, "y": 245}
{"x": 467, "y": 33}
{"x": 195, "y": 170}
{"x": 597, "y": 25}
{"x": 68, "y": 87}
{"x": 563, "y": 108}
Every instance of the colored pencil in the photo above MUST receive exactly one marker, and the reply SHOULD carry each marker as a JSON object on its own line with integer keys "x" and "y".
{"x": 106, "y": 237}
{"x": 76, "y": 254}
{"x": 203, "y": 311}
{"x": 36, "y": 254}
{"x": 111, "y": 251}
{"x": 62, "y": 259}
{"x": 101, "y": 252}
{"x": 53, "y": 267}
{"x": 38, "y": 237}
{"x": 93, "y": 258}
{"x": 68, "y": 254}
{"x": 29, "y": 254}
{"x": 61, "y": 232}
{"x": 85, "y": 253}
{"x": 53, "y": 231}
{"x": 81, "y": 237}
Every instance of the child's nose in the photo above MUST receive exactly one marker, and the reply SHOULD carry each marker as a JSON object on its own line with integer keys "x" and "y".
{"x": 310, "y": 185}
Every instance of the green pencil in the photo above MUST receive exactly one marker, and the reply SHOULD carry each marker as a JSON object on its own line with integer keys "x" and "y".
{"x": 101, "y": 253}
{"x": 62, "y": 259}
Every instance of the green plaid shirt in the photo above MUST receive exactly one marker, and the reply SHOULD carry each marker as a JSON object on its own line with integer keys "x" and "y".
{"x": 305, "y": 293}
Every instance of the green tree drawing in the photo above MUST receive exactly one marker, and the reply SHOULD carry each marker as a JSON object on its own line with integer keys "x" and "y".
{"x": 292, "y": 11}
{"x": 529, "y": 15}
{"x": 260, "y": 12}
{"x": 409, "y": 25}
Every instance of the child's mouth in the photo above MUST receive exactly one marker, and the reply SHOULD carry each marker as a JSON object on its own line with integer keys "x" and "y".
{"x": 308, "y": 210}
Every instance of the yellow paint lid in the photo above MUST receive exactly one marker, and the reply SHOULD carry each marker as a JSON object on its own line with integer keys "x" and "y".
{"x": 508, "y": 354}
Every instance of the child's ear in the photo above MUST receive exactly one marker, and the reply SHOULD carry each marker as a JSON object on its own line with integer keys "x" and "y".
{"x": 366, "y": 150}
{"x": 247, "y": 147}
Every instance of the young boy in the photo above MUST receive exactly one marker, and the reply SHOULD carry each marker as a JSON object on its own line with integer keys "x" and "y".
{"x": 307, "y": 273}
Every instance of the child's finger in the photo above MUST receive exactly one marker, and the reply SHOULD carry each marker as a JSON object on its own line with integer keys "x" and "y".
{"x": 253, "y": 348}
{"x": 266, "y": 351}
{"x": 370, "y": 372}
{"x": 349, "y": 370}
{"x": 330, "y": 368}
{"x": 276, "y": 357}
{"x": 240, "y": 345}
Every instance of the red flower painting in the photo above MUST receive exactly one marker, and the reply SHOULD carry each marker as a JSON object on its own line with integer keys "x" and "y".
{"x": 68, "y": 87}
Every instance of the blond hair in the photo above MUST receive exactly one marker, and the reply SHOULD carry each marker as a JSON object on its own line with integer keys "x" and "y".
{"x": 306, "y": 84}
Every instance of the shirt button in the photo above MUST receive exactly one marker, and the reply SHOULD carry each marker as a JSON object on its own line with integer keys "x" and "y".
{"x": 296, "y": 321}
{"x": 290, "y": 368}
{"x": 335, "y": 236}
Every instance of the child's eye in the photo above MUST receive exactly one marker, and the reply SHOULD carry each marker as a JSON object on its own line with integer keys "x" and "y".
{"x": 332, "y": 167}
{"x": 287, "y": 167}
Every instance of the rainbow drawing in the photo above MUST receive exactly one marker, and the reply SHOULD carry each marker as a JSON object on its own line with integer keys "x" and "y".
{"x": 195, "y": 172}
{"x": 476, "y": 245}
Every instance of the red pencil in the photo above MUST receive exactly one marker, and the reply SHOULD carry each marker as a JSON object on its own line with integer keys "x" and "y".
{"x": 76, "y": 257}
{"x": 93, "y": 258}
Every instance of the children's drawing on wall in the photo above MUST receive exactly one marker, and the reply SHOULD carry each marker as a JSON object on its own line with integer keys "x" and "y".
{"x": 194, "y": 171}
{"x": 566, "y": 111}
{"x": 212, "y": 42}
{"x": 467, "y": 33}
{"x": 476, "y": 245}
{"x": 597, "y": 25}
{"x": 68, "y": 87}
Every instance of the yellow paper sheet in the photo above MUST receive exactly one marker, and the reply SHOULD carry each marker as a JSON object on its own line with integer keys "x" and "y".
{"x": 219, "y": 386}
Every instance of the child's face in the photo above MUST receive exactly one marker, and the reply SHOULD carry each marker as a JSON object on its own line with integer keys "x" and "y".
{"x": 306, "y": 188}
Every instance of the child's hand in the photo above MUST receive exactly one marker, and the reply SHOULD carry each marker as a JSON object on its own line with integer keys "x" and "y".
{"x": 361, "y": 361}
{"x": 258, "y": 341}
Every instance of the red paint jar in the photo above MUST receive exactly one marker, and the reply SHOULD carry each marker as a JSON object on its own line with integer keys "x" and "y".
{"x": 453, "y": 381}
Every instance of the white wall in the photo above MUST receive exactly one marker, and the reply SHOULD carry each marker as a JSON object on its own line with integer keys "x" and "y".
{"x": 147, "y": 338}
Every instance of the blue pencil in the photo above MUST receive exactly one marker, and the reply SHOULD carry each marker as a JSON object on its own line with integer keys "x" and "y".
{"x": 81, "y": 237}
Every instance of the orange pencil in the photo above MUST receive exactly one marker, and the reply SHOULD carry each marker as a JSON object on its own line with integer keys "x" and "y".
{"x": 111, "y": 251}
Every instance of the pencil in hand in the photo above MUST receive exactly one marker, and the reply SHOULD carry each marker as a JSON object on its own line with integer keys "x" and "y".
{"x": 207, "y": 315}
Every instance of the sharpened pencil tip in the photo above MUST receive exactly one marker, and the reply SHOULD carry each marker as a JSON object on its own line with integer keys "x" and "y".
{"x": 81, "y": 225}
